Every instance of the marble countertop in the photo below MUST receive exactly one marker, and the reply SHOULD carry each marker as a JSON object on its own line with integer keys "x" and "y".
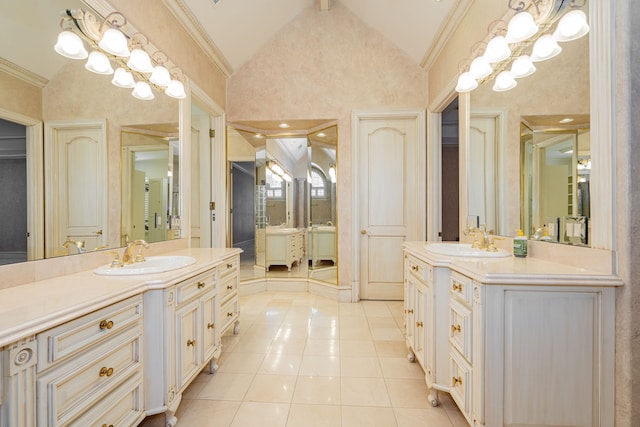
{"x": 34, "y": 307}
{"x": 515, "y": 271}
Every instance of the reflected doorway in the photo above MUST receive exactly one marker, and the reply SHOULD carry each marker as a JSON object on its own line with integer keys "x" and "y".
{"x": 243, "y": 236}
{"x": 450, "y": 230}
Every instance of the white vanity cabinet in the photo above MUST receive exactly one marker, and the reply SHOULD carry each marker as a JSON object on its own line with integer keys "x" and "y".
{"x": 89, "y": 370}
{"x": 284, "y": 247}
{"x": 229, "y": 280}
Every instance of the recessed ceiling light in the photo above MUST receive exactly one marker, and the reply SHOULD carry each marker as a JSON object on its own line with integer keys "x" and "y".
{"x": 283, "y": 125}
{"x": 258, "y": 135}
{"x": 322, "y": 135}
{"x": 566, "y": 120}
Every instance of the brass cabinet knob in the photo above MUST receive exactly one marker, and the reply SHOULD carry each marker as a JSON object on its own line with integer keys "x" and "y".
{"x": 456, "y": 381}
{"x": 414, "y": 268}
{"x": 106, "y": 324}
{"x": 456, "y": 287}
{"x": 363, "y": 231}
{"x": 229, "y": 265}
{"x": 105, "y": 372}
{"x": 211, "y": 325}
{"x": 456, "y": 328}
{"x": 410, "y": 311}
{"x": 201, "y": 285}
{"x": 419, "y": 324}
{"x": 104, "y": 425}
{"x": 229, "y": 287}
{"x": 229, "y": 314}
{"x": 191, "y": 343}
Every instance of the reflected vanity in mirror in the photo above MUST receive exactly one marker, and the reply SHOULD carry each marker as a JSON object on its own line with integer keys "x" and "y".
{"x": 509, "y": 186}
{"x": 283, "y": 198}
{"x": 77, "y": 116}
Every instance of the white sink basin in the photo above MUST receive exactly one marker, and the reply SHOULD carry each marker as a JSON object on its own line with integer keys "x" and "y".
{"x": 464, "y": 250}
{"x": 152, "y": 264}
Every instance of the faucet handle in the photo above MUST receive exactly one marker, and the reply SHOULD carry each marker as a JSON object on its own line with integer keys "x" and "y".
{"x": 116, "y": 262}
{"x": 139, "y": 256}
{"x": 142, "y": 242}
{"x": 491, "y": 247}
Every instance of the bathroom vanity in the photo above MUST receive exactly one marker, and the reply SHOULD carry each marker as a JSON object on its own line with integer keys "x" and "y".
{"x": 85, "y": 349}
{"x": 515, "y": 342}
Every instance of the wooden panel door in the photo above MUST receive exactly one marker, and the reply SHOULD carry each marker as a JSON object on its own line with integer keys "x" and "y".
{"x": 388, "y": 200}
{"x": 482, "y": 170}
{"x": 75, "y": 185}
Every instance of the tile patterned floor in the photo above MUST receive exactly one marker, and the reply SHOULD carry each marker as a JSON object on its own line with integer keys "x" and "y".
{"x": 305, "y": 361}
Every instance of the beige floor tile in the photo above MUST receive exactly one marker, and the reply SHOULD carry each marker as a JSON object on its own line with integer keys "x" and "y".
{"x": 285, "y": 345}
{"x": 206, "y": 413}
{"x": 376, "y": 309}
{"x": 224, "y": 386}
{"x": 324, "y": 332}
{"x": 432, "y": 417}
{"x": 357, "y": 348}
{"x": 314, "y": 416}
{"x": 406, "y": 393}
{"x": 393, "y": 367}
{"x": 355, "y": 333}
{"x": 456, "y": 417}
{"x": 364, "y": 392}
{"x": 317, "y": 390}
{"x": 271, "y": 388}
{"x": 359, "y": 416}
{"x": 282, "y": 364}
{"x": 317, "y": 347}
{"x": 193, "y": 390}
{"x": 362, "y": 367}
{"x": 353, "y": 322}
{"x": 260, "y": 414}
{"x": 256, "y": 345}
{"x": 349, "y": 309}
{"x": 322, "y": 366}
{"x": 396, "y": 349}
{"x": 241, "y": 363}
{"x": 382, "y": 322}
{"x": 387, "y": 334}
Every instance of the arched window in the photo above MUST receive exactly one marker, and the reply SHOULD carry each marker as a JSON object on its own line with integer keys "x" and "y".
{"x": 318, "y": 184}
{"x": 275, "y": 186}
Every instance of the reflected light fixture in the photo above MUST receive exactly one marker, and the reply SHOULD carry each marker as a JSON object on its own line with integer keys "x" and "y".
{"x": 283, "y": 126}
{"x": 138, "y": 64}
{"x": 503, "y": 57}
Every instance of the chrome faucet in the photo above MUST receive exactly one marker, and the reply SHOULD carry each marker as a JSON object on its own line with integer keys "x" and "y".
{"x": 78, "y": 244}
{"x": 127, "y": 256}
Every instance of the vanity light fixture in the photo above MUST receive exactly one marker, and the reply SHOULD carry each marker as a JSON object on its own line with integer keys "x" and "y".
{"x": 502, "y": 57}
{"x": 332, "y": 173}
{"x": 138, "y": 64}
{"x": 278, "y": 171}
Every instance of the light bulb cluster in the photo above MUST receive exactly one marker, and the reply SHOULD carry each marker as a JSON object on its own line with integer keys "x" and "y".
{"x": 521, "y": 29}
{"x": 134, "y": 68}
{"x": 278, "y": 173}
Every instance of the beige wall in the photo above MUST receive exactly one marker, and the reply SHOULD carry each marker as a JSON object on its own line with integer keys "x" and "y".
{"x": 324, "y": 65}
{"x": 20, "y": 97}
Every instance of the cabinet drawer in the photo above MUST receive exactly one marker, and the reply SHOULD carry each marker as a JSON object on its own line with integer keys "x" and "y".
{"x": 121, "y": 407}
{"x": 419, "y": 269}
{"x": 61, "y": 342}
{"x": 195, "y": 286}
{"x": 461, "y": 287}
{"x": 460, "y": 334}
{"x": 228, "y": 268}
{"x": 76, "y": 385}
{"x": 229, "y": 313}
{"x": 228, "y": 287}
{"x": 461, "y": 383}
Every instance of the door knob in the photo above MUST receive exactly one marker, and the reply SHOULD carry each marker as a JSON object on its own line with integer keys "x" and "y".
{"x": 363, "y": 231}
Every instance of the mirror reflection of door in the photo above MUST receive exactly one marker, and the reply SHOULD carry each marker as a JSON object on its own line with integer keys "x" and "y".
{"x": 450, "y": 178}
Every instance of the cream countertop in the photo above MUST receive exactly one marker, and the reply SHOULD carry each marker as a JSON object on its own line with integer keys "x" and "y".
{"x": 34, "y": 307}
{"x": 515, "y": 271}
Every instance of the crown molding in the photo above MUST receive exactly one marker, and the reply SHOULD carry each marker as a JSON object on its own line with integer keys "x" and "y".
{"x": 22, "y": 73}
{"x": 191, "y": 25}
{"x": 447, "y": 29}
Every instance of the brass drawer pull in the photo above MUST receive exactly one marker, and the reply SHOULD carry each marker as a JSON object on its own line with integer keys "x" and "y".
{"x": 456, "y": 328}
{"x": 410, "y": 311}
{"x": 200, "y": 285}
{"x": 456, "y": 287}
{"x": 104, "y": 425}
{"x": 106, "y": 325}
{"x": 456, "y": 381}
{"x": 229, "y": 314}
{"x": 229, "y": 265}
{"x": 419, "y": 324}
{"x": 104, "y": 371}
{"x": 229, "y": 287}
{"x": 191, "y": 342}
{"x": 211, "y": 325}
{"x": 414, "y": 268}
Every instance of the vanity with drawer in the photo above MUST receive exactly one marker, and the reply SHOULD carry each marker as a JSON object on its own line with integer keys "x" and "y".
{"x": 525, "y": 341}
{"x": 87, "y": 350}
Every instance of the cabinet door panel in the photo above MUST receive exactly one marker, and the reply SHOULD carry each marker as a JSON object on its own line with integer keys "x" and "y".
{"x": 188, "y": 363}
{"x": 209, "y": 333}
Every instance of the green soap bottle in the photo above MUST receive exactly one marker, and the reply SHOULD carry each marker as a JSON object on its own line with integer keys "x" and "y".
{"x": 520, "y": 245}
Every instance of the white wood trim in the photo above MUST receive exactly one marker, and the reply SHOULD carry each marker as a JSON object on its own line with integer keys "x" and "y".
{"x": 22, "y": 74}
{"x": 418, "y": 217}
{"x": 603, "y": 151}
{"x": 434, "y": 173}
{"x": 185, "y": 161}
{"x": 464, "y": 124}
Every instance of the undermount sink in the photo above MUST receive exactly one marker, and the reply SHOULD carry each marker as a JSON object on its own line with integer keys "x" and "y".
{"x": 152, "y": 264}
{"x": 464, "y": 250}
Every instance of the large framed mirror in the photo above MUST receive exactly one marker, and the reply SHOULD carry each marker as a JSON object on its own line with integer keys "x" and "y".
{"x": 505, "y": 189}
{"x": 283, "y": 200}
{"x": 48, "y": 103}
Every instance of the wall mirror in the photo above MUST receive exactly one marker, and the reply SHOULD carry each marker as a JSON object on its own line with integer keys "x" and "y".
{"x": 555, "y": 98}
{"x": 283, "y": 199}
{"x": 74, "y": 106}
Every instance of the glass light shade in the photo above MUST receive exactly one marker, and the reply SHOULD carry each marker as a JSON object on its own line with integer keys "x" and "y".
{"x": 115, "y": 43}
{"x": 332, "y": 174}
{"x": 572, "y": 26}
{"x": 140, "y": 61}
{"x": 466, "y": 83}
{"x": 123, "y": 78}
{"x": 276, "y": 168}
{"x": 480, "y": 67}
{"x": 521, "y": 27}
{"x": 497, "y": 49}
{"x": 504, "y": 81}
{"x": 522, "y": 66}
{"x": 286, "y": 177}
{"x": 98, "y": 63}
{"x": 142, "y": 91}
{"x": 545, "y": 48}
{"x": 160, "y": 76}
{"x": 175, "y": 90}
{"x": 70, "y": 45}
